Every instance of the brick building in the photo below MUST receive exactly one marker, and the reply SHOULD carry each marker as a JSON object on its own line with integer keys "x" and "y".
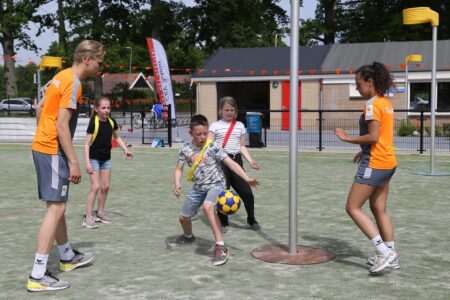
{"x": 258, "y": 78}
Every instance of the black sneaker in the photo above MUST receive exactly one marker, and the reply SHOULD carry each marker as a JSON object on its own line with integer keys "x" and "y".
{"x": 220, "y": 255}
{"x": 254, "y": 225}
{"x": 182, "y": 240}
{"x": 224, "y": 229}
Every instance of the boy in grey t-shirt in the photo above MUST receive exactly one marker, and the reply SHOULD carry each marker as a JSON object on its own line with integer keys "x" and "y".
{"x": 208, "y": 180}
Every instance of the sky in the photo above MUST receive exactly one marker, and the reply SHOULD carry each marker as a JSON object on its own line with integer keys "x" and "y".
{"x": 45, "y": 39}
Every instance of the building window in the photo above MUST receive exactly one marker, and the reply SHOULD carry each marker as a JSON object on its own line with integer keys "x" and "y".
{"x": 420, "y": 96}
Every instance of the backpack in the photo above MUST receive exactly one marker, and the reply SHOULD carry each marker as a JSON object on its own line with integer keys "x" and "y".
{"x": 97, "y": 125}
{"x": 157, "y": 143}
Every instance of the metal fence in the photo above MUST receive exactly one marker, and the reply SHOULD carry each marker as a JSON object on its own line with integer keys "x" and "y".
{"x": 316, "y": 129}
{"x": 270, "y": 128}
{"x": 144, "y": 126}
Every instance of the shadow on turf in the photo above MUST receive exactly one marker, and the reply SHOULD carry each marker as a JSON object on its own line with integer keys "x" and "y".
{"x": 202, "y": 246}
{"x": 242, "y": 223}
{"x": 342, "y": 249}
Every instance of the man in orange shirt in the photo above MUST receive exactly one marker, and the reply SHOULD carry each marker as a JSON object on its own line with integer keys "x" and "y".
{"x": 57, "y": 164}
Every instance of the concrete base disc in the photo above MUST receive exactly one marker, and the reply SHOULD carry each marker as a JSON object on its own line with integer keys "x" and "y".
{"x": 305, "y": 255}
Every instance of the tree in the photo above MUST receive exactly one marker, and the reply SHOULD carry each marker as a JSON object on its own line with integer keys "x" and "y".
{"x": 62, "y": 33}
{"x": 357, "y": 21}
{"x": 382, "y": 20}
{"x": 166, "y": 21}
{"x": 25, "y": 84}
{"x": 14, "y": 19}
{"x": 234, "y": 23}
{"x": 189, "y": 34}
{"x": 325, "y": 27}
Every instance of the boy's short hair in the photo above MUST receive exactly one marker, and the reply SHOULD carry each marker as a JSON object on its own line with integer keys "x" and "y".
{"x": 198, "y": 120}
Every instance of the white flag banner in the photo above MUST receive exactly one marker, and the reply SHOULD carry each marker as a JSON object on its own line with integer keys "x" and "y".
{"x": 161, "y": 73}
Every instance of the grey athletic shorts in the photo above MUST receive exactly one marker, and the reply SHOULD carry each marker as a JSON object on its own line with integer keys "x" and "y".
{"x": 52, "y": 176}
{"x": 375, "y": 177}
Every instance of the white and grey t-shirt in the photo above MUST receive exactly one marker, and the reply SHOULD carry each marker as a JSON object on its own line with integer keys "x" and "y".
{"x": 220, "y": 129}
{"x": 208, "y": 172}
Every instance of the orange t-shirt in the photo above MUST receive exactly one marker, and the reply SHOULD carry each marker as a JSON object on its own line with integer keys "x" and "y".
{"x": 382, "y": 155}
{"x": 64, "y": 91}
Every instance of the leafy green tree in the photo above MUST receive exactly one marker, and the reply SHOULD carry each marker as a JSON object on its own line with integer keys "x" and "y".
{"x": 357, "y": 21}
{"x": 25, "y": 81}
{"x": 62, "y": 32}
{"x": 382, "y": 20}
{"x": 188, "y": 34}
{"x": 211, "y": 24}
{"x": 109, "y": 22}
{"x": 2, "y": 83}
{"x": 14, "y": 21}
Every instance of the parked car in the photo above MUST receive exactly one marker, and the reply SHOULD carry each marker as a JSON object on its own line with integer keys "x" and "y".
{"x": 85, "y": 109}
{"x": 17, "y": 105}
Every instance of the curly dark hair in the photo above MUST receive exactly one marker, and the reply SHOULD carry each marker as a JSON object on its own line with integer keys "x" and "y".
{"x": 380, "y": 75}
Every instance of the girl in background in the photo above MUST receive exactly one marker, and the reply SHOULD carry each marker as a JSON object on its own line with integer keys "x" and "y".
{"x": 97, "y": 156}
{"x": 230, "y": 134}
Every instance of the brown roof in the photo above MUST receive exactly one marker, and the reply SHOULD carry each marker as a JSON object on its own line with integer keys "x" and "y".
{"x": 111, "y": 80}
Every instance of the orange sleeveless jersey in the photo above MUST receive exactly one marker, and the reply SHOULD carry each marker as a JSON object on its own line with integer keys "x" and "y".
{"x": 64, "y": 91}
{"x": 382, "y": 155}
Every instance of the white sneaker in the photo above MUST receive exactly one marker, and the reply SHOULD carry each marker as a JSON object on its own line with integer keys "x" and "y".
{"x": 104, "y": 217}
{"x": 382, "y": 261}
{"x": 373, "y": 260}
{"x": 89, "y": 222}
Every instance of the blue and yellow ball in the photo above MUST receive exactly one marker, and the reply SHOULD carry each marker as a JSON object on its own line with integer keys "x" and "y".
{"x": 228, "y": 202}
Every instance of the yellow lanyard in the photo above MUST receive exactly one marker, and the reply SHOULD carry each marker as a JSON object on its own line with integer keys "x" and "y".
{"x": 197, "y": 160}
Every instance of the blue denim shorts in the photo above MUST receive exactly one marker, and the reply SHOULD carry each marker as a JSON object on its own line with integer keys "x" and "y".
{"x": 195, "y": 200}
{"x": 100, "y": 164}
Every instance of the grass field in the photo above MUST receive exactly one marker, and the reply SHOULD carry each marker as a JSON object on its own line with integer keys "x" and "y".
{"x": 133, "y": 262}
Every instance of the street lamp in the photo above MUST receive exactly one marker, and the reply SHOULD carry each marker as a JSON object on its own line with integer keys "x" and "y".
{"x": 129, "y": 70}
{"x": 408, "y": 59}
{"x": 420, "y": 15}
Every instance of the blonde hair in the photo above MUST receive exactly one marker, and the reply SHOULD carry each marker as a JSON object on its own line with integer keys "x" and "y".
{"x": 88, "y": 48}
{"x": 230, "y": 101}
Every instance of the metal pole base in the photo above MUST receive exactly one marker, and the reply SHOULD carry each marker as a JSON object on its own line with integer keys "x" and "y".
{"x": 425, "y": 173}
{"x": 305, "y": 255}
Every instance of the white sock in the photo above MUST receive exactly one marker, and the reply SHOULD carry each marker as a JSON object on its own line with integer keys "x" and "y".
{"x": 189, "y": 236}
{"x": 220, "y": 243}
{"x": 390, "y": 245}
{"x": 65, "y": 251}
{"x": 379, "y": 244}
{"x": 39, "y": 266}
